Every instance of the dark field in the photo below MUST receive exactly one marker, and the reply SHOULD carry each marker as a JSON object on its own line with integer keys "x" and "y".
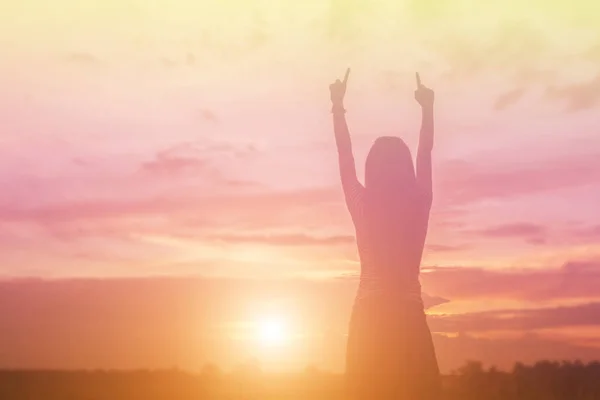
{"x": 543, "y": 381}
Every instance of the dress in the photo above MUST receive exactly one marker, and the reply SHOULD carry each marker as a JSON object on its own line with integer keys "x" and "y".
{"x": 390, "y": 353}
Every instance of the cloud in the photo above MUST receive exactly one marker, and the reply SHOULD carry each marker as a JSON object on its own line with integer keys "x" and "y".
{"x": 297, "y": 239}
{"x": 508, "y": 98}
{"x": 79, "y": 210}
{"x": 574, "y": 280}
{"x": 183, "y": 194}
{"x": 532, "y": 233}
{"x": 249, "y": 210}
{"x": 579, "y": 97}
{"x": 442, "y": 248}
{"x": 518, "y": 229}
{"x": 143, "y": 235}
{"x": 587, "y": 233}
{"x": 519, "y": 320}
{"x": 462, "y": 182}
{"x": 170, "y": 164}
{"x": 459, "y": 184}
{"x": 182, "y": 184}
{"x": 199, "y": 160}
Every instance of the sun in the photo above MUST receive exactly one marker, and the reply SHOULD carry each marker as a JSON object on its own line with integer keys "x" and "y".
{"x": 272, "y": 331}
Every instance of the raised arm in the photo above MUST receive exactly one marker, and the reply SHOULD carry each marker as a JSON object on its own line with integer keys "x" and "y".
{"x": 425, "y": 98}
{"x": 350, "y": 183}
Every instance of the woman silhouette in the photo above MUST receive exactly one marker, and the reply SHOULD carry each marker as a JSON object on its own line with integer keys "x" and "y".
{"x": 390, "y": 353}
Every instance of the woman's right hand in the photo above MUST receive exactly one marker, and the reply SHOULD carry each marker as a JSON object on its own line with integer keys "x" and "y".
{"x": 338, "y": 90}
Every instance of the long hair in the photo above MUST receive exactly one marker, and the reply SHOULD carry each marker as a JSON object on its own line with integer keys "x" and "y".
{"x": 391, "y": 198}
{"x": 389, "y": 168}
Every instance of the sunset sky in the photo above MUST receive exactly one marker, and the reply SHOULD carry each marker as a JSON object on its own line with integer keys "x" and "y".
{"x": 168, "y": 176}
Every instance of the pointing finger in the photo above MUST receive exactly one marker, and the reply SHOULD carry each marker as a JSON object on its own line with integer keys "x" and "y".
{"x": 419, "y": 84}
{"x": 346, "y": 76}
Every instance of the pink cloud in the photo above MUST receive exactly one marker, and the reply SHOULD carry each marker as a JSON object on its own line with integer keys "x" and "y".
{"x": 462, "y": 183}
{"x": 182, "y": 194}
{"x": 587, "y": 233}
{"x": 443, "y": 248}
{"x": 518, "y": 229}
{"x": 518, "y": 320}
{"x": 459, "y": 184}
{"x": 283, "y": 239}
{"x": 169, "y": 164}
{"x": 532, "y": 233}
{"x": 575, "y": 280}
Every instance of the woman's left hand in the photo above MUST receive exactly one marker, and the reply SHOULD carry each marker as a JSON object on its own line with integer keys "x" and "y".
{"x": 423, "y": 94}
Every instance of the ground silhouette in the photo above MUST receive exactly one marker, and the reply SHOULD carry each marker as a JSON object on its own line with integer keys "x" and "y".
{"x": 545, "y": 380}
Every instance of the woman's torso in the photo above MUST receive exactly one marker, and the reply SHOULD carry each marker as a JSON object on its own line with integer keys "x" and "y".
{"x": 390, "y": 244}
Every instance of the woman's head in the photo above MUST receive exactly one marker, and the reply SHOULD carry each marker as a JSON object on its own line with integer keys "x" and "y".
{"x": 389, "y": 167}
{"x": 391, "y": 193}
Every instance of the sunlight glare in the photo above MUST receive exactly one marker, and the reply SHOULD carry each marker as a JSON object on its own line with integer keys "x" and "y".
{"x": 272, "y": 332}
